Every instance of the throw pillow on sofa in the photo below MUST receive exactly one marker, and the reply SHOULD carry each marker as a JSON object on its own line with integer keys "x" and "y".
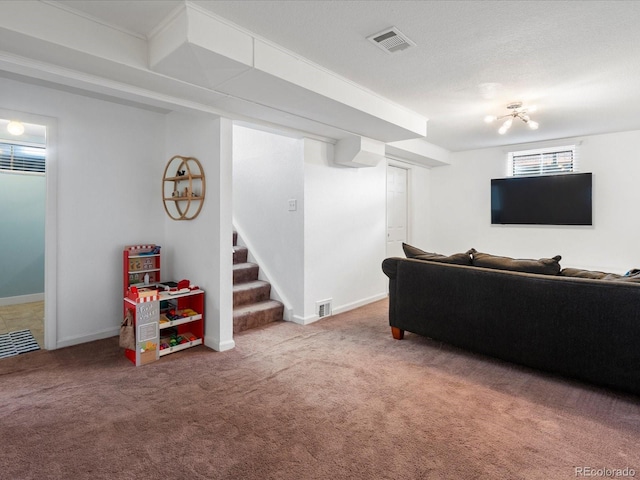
{"x": 545, "y": 266}
{"x": 418, "y": 254}
{"x": 410, "y": 251}
{"x": 577, "y": 272}
{"x": 632, "y": 276}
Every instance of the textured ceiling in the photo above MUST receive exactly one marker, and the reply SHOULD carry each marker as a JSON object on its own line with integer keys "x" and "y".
{"x": 577, "y": 61}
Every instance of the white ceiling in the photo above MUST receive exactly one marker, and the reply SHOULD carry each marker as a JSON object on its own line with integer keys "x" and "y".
{"x": 577, "y": 61}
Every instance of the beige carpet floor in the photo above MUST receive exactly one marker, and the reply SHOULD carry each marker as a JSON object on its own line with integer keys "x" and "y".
{"x": 337, "y": 399}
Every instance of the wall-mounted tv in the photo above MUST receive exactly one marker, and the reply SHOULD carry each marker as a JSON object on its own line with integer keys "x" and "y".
{"x": 542, "y": 200}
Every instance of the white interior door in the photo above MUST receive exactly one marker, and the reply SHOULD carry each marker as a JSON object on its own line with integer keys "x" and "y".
{"x": 397, "y": 211}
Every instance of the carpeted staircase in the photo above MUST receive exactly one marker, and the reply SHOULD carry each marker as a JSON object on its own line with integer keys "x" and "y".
{"x": 252, "y": 305}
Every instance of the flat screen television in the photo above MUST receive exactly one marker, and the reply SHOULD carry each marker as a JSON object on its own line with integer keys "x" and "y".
{"x": 542, "y": 200}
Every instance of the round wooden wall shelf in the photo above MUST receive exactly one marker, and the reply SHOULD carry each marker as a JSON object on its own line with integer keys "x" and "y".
{"x": 183, "y": 188}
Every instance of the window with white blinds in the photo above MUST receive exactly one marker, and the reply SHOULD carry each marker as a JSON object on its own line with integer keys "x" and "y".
{"x": 22, "y": 158}
{"x": 544, "y": 161}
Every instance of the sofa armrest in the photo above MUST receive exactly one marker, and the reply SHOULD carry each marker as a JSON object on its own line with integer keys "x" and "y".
{"x": 390, "y": 267}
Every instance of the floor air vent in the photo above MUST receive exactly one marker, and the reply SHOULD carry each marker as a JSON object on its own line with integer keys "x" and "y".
{"x": 15, "y": 343}
{"x": 391, "y": 40}
{"x": 323, "y": 308}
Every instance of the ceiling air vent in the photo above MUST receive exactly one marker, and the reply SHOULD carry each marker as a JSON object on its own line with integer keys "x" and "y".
{"x": 391, "y": 40}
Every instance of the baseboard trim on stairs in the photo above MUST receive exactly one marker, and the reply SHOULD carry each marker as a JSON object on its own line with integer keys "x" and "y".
{"x": 336, "y": 310}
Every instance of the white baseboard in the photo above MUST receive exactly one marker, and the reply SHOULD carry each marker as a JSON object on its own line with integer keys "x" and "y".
{"x": 33, "y": 297}
{"x": 304, "y": 320}
{"x": 217, "y": 345}
{"x": 341, "y": 309}
{"x": 213, "y": 343}
{"x": 70, "y": 341}
{"x": 360, "y": 303}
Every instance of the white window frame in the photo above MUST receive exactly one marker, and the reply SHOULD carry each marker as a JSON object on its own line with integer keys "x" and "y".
{"x": 543, "y": 154}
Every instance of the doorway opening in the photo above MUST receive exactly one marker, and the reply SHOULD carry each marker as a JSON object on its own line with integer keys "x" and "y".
{"x": 27, "y": 243}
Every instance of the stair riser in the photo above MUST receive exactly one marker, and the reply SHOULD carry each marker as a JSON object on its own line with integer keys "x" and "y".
{"x": 253, "y": 295}
{"x": 257, "y": 319}
{"x": 235, "y": 238}
{"x": 244, "y": 275}
{"x": 240, "y": 255}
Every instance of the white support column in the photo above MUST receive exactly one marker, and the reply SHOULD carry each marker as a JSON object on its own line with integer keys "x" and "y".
{"x": 201, "y": 249}
{"x": 219, "y": 303}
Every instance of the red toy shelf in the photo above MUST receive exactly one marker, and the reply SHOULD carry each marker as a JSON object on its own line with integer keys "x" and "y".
{"x": 165, "y": 321}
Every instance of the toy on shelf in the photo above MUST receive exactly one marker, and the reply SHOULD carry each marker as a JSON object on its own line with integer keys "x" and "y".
{"x": 175, "y": 288}
{"x": 141, "y": 265}
{"x": 155, "y": 250}
{"x": 172, "y": 339}
{"x": 140, "y": 295}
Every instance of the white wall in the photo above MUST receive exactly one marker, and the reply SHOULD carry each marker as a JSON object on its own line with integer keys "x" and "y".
{"x": 201, "y": 249}
{"x": 268, "y": 171}
{"x": 460, "y": 199}
{"x": 345, "y": 231}
{"x": 108, "y": 171}
{"x": 419, "y": 204}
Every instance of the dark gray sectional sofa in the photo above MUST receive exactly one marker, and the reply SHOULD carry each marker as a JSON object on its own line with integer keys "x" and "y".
{"x": 584, "y": 328}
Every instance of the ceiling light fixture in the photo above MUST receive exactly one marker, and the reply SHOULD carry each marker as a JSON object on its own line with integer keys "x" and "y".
{"x": 15, "y": 128}
{"x": 517, "y": 111}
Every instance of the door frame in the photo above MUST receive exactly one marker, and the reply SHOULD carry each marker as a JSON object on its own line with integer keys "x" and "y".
{"x": 51, "y": 220}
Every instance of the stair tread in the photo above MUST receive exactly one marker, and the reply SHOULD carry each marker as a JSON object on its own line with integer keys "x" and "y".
{"x": 250, "y": 285}
{"x": 245, "y": 272}
{"x": 260, "y": 306}
{"x": 241, "y": 266}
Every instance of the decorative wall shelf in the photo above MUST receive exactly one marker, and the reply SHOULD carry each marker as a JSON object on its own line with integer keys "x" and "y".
{"x": 183, "y": 188}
